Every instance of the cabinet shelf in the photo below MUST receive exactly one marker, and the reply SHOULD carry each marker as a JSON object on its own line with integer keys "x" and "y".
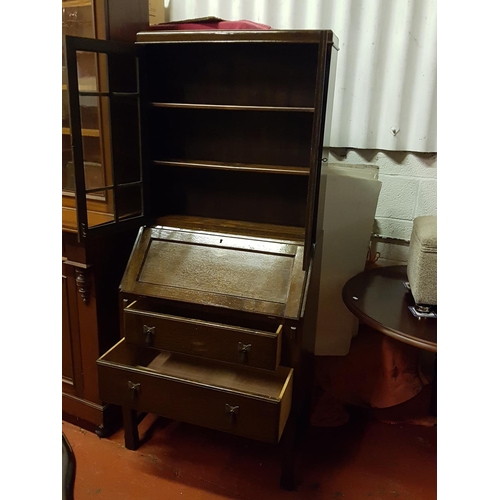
{"x": 231, "y": 107}
{"x": 244, "y": 167}
{"x": 231, "y": 137}
{"x": 86, "y": 132}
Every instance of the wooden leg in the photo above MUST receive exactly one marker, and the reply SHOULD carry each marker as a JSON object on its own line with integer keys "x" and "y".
{"x": 298, "y": 422}
{"x": 433, "y": 405}
{"x": 289, "y": 457}
{"x": 130, "y": 428}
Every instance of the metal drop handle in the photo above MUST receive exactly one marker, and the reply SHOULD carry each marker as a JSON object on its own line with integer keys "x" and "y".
{"x": 244, "y": 349}
{"x": 150, "y": 332}
{"x": 232, "y": 411}
{"x": 134, "y": 388}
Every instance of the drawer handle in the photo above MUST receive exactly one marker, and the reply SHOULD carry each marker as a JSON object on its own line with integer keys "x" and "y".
{"x": 150, "y": 332}
{"x": 232, "y": 411}
{"x": 134, "y": 388}
{"x": 243, "y": 349}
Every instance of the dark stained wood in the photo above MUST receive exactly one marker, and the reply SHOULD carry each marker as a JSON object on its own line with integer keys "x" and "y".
{"x": 232, "y": 75}
{"x": 90, "y": 416}
{"x": 72, "y": 353}
{"x": 130, "y": 428}
{"x": 91, "y": 327}
{"x": 231, "y": 107}
{"x": 215, "y": 294}
{"x": 321, "y": 88}
{"x": 221, "y": 270}
{"x": 274, "y": 36}
{"x": 239, "y": 195}
{"x": 251, "y": 167}
{"x": 125, "y": 18}
{"x": 257, "y": 137}
{"x": 207, "y": 339}
{"x": 200, "y": 391}
{"x": 379, "y": 299}
{"x": 268, "y": 231}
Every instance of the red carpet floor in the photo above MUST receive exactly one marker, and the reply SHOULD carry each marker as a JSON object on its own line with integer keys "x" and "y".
{"x": 365, "y": 458}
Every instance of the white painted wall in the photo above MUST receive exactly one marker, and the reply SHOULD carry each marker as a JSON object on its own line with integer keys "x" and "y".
{"x": 409, "y": 189}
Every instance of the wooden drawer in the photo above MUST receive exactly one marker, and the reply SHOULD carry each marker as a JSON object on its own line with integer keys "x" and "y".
{"x": 254, "y": 344}
{"x": 238, "y": 400}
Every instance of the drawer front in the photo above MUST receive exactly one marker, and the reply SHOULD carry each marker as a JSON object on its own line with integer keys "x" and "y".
{"x": 216, "y": 341}
{"x": 186, "y": 401}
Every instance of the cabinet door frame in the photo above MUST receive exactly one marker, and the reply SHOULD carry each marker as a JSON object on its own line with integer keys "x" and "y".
{"x": 110, "y": 49}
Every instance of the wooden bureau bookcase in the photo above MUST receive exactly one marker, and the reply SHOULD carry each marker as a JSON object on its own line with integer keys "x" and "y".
{"x": 217, "y": 140}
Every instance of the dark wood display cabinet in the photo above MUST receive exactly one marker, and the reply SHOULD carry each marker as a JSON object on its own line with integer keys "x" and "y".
{"x": 216, "y": 142}
{"x": 91, "y": 270}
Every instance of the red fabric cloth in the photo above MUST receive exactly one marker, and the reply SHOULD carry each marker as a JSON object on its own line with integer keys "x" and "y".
{"x": 210, "y": 23}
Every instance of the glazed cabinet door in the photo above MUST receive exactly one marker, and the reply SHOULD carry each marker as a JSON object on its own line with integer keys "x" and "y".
{"x": 116, "y": 94}
{"x": 79, "y": 19}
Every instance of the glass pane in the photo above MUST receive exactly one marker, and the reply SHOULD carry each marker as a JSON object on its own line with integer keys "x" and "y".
{"x": 93, "y": 165}
{"x": 94, "y": 177}
{"x": 126, "y": 140}
{"x": 94, "y": 155}
{"x": 92, "y": 150}
{"x": 94, "y": 173}
{"x": 92, "y": 72}
{"x": 128, "y": 204}
{"x": 122, "y": 73}
{"x": 95, "y": 218}
{"x": 89, "y": 113}
{"x": 129, "y": 201}
{"x": 87, "y": 71}
{"x": 78, "y": 18}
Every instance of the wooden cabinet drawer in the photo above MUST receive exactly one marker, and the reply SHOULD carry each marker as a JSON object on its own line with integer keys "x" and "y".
{"x": 256, "y": 345}
{"x": 238, "y": 400}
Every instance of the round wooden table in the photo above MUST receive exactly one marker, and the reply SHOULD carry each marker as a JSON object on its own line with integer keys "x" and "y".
{"x": 379, "y": 298}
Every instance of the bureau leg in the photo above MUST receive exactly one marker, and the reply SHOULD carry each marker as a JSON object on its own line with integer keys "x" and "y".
{"x": 289, "y": 455}
{"x": 130, "y": 428}
{"x": 433, "y": 404}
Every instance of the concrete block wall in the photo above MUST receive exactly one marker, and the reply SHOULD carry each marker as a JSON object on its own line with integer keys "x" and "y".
{"x": 409, "y": 189}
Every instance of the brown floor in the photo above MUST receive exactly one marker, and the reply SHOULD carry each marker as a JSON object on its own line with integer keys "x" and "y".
{"x": 365, "y": 458}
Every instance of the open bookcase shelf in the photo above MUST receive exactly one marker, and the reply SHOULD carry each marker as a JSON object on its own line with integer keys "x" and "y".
{"x": 231, "y": 107}
{"x": 243, "y": 167}
{"x": 230, "y": 136}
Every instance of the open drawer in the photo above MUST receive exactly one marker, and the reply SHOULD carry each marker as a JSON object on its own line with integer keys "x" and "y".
{"x": 246, "y": 342}
{"x": 238, "y": 400}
